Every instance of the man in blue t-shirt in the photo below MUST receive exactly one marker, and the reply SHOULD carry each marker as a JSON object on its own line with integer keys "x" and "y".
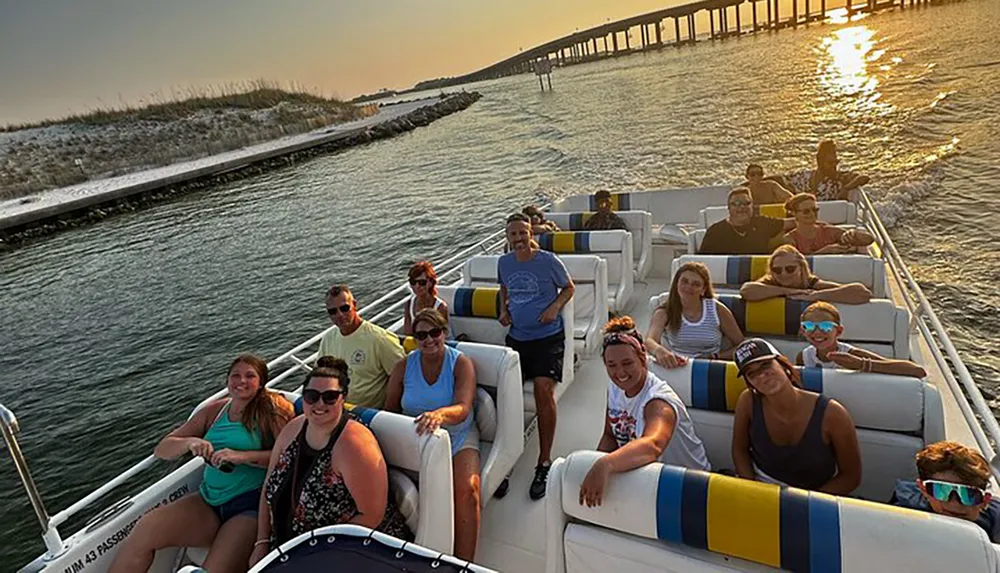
{"x": 534, "y": 287}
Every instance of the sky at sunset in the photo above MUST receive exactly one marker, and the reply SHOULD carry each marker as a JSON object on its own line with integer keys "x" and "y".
{"x": 68, "y": 56}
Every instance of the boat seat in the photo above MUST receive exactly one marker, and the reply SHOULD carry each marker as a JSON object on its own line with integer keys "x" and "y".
{"x": 590, "y": 299}
{"x": 639, "y": 223}
{"x": 669, "y": 208}
{"x": 696, "y": 236}
{"x": 896, "y": 416}
{"x": 615, "y": 247}
{"x": 731, "y": 271}
{"x": 833, "y": 212}
{"x": 878, "y": 325}
{"x": 667, "y": 518}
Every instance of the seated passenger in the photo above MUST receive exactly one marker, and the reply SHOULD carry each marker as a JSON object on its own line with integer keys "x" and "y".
{"x": 742, "y": 232}
{"x": 436, "y": 384}
{"x": 827, "y": 182}
{"x": 692, "y": 323}
{"x": 604, "y": 219}
{"x": 538, "y": 223}
{"x": 953, "y": 481}
{"x": 820, "y": 325}
{"x": 234, "y": 435}
{"x": 645, "y": 422}
{"x": 812, "y": 237}
{"x": 765, "y": 191}
{"x": 423, "y": 283}
{"x": 325, "y": 469}
{"x": 786, "y": 435}
{"x": 370, "y": 350}
{"x": 788, "y": 275}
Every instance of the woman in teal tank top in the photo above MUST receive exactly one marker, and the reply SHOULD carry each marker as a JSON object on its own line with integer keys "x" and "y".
{"x": 234, "y": 435}
{"x": 436, "y": 384}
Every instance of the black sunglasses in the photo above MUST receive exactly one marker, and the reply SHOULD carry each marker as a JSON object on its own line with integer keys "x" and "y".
{"x": 421, "y": 282}
{"x": 311, "y": 396}
{"x": 344, "y": 308}
{"x": 423, "y": 334}
{"x": 789, "y": 269}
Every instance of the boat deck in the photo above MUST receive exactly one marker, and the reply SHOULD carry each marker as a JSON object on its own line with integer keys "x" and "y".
{"x": 512, "y": 535}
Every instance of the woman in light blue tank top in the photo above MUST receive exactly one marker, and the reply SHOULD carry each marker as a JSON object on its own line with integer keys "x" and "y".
{"x": 436, "y": 384}
{"x": 234, "y": 436}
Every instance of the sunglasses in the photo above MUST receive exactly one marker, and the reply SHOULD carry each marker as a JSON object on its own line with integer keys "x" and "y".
{"x": 311, "y": 396}
{"x": 344, "y": 308}
{"x": 423, "y": 334}
{"x": 787, "y": 269}
{"x": 824, "y": 326}
{"x": 812, "y": 211}
{"x": 942, "y": 491}
{"x": 741, "y": 203}
{"x": 421, "y": 282}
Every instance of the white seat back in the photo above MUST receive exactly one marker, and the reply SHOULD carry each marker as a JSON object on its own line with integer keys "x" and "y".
{"x": 695, "y": 237}
{"x": 734, "y": 270}
{"x": 615, "y": 247}
{"x": 667, "y": 206}
{"x": 698, "y": 522}
{"x": 639, "y": 223}
{"x": 896, "y": 416}
{"x": 833, "y": 212}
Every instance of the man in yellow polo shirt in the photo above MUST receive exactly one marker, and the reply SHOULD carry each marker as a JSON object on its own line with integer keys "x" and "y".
{"x": 369, "y": 350}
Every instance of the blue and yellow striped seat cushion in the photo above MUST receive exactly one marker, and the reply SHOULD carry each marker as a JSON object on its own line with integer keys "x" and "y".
{"x": 776, "y": 210}
{"x": 745, "y": 268}
{"x": 772, "y": 316}
{"x": 782, "y": 527}
{"x": 481, "y": 302}
{"x": 565, "y": 241}
{"x": 619, "y": 202}
{"x": 578, "y": 221}
{"x": 715, "y": 385}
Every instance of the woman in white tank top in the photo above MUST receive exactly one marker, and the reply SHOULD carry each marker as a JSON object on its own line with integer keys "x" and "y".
{"x": 646, "y": 420}
{"x": 423, "y": 283}
{"x": 692, "y": 324}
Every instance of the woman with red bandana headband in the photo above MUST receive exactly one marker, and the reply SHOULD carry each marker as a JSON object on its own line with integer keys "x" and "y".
{"x": 646, "y": 421}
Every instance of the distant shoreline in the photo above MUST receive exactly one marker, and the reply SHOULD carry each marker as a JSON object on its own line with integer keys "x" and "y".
{"x": 16, "y": 230}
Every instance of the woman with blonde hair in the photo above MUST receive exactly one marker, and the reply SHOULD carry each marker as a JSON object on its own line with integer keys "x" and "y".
{"x": 788, "y": 275}
{"x": 692, "y": 323}
{"x": 813, "y": 237}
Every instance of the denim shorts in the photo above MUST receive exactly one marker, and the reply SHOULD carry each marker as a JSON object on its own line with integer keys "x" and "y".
{"x": 247, "y": 503}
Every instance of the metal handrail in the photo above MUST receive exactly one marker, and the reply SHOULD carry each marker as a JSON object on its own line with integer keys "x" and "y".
{"x": 53, "y": 542}
{"x": 978, "y": 414}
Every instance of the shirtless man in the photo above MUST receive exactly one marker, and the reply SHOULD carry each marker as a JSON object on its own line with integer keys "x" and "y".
{"x": 764, "y": 191}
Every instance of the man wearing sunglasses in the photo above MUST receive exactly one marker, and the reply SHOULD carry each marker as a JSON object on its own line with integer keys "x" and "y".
{"x": 369, "y": 350}
{"x": 765, "y": 190}
{"x": 742, "y": 232}
{"x": 534, "y": 287}
{"x": 953, "y": 482}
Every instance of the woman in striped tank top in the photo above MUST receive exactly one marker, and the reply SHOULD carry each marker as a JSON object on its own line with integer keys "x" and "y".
{"x": 692, "y": 324}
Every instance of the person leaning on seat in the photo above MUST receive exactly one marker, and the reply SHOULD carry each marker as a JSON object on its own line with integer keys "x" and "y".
{"x": 325, "y": 469}
{"x": 645, "y": 420}
{"x": 788, "y": 275}
{"x": 534, "y": 287}
{"x": 370, "y": 351}
{"x": 539, "y": 224}
{"x": 820, "y": 326}
{"x": 827, "y": 181}
{"x": 604, "y": 219}
{"x": 787, "y": 435}
{"x": 742, "y": 232}
{"x": 423, "y": 284}
{"x": 763, "y": 190}
{"x": 692, "y": 323}
{"x": 813, "y": 237}
{"x": 953, "y": 482}
{"x": 235, "y": 436}
{"x": 436, "y": 384}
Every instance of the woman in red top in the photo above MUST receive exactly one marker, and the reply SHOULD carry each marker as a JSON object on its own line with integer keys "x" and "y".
{"x": 812, "y": 237}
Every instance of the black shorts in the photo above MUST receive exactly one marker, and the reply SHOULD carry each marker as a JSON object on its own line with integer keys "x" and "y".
{"x": 542, "y": 358}
{"x": 246, "y": 503}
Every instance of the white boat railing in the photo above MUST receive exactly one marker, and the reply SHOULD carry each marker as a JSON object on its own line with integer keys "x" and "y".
{"x": 975, "y": 410}
{"x": 392, "y": 301}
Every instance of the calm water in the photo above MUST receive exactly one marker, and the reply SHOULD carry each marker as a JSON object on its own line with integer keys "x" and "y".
{"x": 112, "y": 333}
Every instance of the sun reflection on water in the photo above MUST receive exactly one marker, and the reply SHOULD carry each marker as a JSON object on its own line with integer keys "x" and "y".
{"x": 843, "y": 68}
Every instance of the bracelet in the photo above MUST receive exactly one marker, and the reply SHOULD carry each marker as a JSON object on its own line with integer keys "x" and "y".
{"x": 261, "y": 542}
